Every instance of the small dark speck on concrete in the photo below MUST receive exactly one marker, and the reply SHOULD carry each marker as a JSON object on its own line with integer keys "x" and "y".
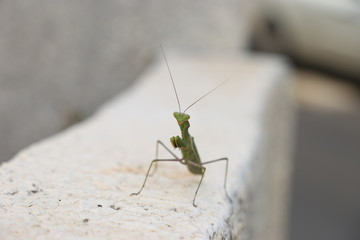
{"x": 86, "y": 220}
{"x": 117, "y": 208}
{"x": 174, "y": 209}
{"x": 99, "y": 205}
{"x": 35, "y": 190}
{"x": 12, "y": 193}
{"x": 145, "y": 208}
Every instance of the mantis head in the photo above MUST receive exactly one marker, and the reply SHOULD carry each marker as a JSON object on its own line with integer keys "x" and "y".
{"x": 181, "y": 117}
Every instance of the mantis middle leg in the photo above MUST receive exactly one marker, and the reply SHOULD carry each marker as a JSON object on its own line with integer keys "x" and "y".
{"x": 226, "y": 171}
{"x": 152, "y": 162}
{"x": 158, "y": 142}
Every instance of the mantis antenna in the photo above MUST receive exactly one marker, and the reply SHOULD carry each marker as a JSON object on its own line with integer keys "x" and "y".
{"x": 172, "y": 80}
{"x": 207, "y": 94}
{"x": 173, "y": 84}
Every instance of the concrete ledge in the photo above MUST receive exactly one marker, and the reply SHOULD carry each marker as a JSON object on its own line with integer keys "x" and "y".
{"x": 76, "y": 185}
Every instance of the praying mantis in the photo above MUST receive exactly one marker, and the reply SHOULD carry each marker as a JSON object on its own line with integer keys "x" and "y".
{"x": 186, "y": 144}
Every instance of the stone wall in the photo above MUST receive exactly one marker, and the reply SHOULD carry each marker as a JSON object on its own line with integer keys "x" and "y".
{"x": 61, "y": 60}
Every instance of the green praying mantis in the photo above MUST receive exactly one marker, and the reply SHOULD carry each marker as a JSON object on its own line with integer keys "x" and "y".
{"x": 186, "y": 144}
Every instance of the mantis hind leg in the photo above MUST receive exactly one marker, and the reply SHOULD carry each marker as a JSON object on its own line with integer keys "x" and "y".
{"x": 202, "y": 176}
{"x": 147, "y": 174}
{"x": 158, "y": 142}
{"x": 226, "y": 171}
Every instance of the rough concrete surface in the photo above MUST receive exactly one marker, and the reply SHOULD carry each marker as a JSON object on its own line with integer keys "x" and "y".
{"x": 76, "y": 185}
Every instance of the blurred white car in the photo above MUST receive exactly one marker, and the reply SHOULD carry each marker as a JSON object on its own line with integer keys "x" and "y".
{"x": 321, "y": 32}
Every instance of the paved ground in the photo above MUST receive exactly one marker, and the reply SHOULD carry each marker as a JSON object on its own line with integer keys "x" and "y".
{"x": 326, "y": 199}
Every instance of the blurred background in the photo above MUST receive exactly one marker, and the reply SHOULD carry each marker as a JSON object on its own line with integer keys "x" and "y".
{"x": 322, "y": 39}
{"x": 61, "y": 60}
